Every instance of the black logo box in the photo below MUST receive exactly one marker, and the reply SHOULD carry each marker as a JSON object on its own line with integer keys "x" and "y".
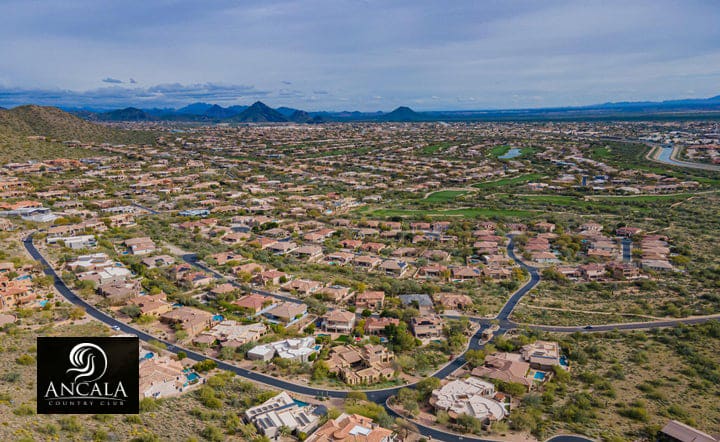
{"x": 53, "y": 362}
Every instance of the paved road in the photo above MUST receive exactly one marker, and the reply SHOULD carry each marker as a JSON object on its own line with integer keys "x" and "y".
{"x": 511, "y": 303}
{"x": 661, "y": 153}
{"x": 668, "y": 154}
{"x": 377, "y": 396}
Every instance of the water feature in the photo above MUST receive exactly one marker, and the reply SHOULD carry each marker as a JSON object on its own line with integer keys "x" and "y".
{"x": 512, "y": 153}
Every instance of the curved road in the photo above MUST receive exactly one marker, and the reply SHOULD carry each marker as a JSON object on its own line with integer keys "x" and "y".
{"x": 377, "y": 396}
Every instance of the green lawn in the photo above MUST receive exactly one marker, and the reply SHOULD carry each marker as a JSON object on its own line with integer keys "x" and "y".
{"x": 444, "y": 196}
{"x": 435, "y": 148}
{"x": 508, "y": 181}
{"x": 499, "y": 151}
{"x": 474, "y": 212}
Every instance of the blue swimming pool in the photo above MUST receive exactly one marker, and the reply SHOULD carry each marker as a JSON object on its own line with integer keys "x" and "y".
{"x": 23, "y": 278}
{"x": 564, "y": 361}
{"x": 218, "y": 318}
{"x": 192, "y": 376}
{"x": 300, "y": 403}
{"x": 43, "y": 303}
{"x": 539, "y": 376}
{"x": 149, "y": 355}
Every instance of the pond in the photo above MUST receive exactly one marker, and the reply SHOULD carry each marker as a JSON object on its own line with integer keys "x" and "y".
{"x": 512, "y": 153}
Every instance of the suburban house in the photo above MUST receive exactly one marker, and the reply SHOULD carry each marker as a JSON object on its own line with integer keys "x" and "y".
{"x": 232, "y": 334}
{"x": 152, "y": 305}
{"x": 374, "y": 300}
{"x": 298, "y": 349}
{"x": 286, "y": 312}
{"x": 163, "y": 376}
{"x": 430, "y": 326}
{"x": 341, "y": 321}
{"x": 361, "y": 365}
{"x": 192, "y": 320}
{"x": 471, "y": 396}
{"x": 376, "y": 325}
{"x": 280, "y": 412}
{"x": 140, "y": 246}
{"x": 505, "y": 367}
{"x": 158, "y": 261}
{"x": 302, "y": 286}
{"x": 454, "y": 301}
{"x": 351, "y": 428}
{"x": 254, "y": 302}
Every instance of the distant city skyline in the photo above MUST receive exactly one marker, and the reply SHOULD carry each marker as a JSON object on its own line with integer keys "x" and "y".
{"x": 362, "y": 55}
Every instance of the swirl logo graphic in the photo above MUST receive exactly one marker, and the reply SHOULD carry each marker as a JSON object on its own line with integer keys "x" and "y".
{"x": 87, "y": 360}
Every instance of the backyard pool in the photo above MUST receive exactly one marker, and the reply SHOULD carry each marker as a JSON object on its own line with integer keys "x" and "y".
{"x": 218, "y": 318}
{"x": 149, "y": 355}
{"x": 300, "y": 403}
{"x": 192, "y": 377}
{"x": 43, "y": 303}
{"x": 539, "y": 376}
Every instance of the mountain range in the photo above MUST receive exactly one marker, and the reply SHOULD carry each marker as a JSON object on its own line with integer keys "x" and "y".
{"x": 51, "y": 122}
{"x": 259, "y": 112}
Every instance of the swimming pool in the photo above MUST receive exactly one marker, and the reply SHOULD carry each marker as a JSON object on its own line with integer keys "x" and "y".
{"x": 43, "y": 303}
{"x": 539, "y": 376}
{"x": 149, "y": 355}
{"x": 192, "y": 377}
{"x": 23, "y": 278}
{"x": 218, "y": 318}
{"x": 300, "y": 403}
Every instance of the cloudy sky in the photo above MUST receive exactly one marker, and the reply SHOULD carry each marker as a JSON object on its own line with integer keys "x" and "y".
{"x": 357, "y": 54}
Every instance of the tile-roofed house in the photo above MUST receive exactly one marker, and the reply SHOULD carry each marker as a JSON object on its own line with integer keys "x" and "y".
{"x": 254, "y": 302}
{"x": 161, "y": 376}
{"x": 140, "y": 246}
{"x": 454, "y": 301}
{"x": 373, "y": 300}
{"x": 286, "y": 312}
{"x": 335, "y": 293}
{"x": 302, "y": 286}
{"x": 427, "y": 326}
{"x": 394, "y": 267}
{"x": 506, "y": 368}
{"x": 192, "y": 320}
{"x": 341, "y": 321}
{"x": 152, "y": 305}
{"x": 232, "y": 334}
{"x": 376, "y": 325}
{"x": 351, "y": 428}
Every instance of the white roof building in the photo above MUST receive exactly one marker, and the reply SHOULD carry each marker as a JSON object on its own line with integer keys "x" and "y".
{"x": 282, "y": 411}
{"x": 471, "y": 396}
{"x": 293, "y": 349}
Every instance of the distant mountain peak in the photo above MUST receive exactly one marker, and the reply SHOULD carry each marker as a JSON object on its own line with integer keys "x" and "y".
{"x": 402, "y": 113}
{"x": 259, "y": 112}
